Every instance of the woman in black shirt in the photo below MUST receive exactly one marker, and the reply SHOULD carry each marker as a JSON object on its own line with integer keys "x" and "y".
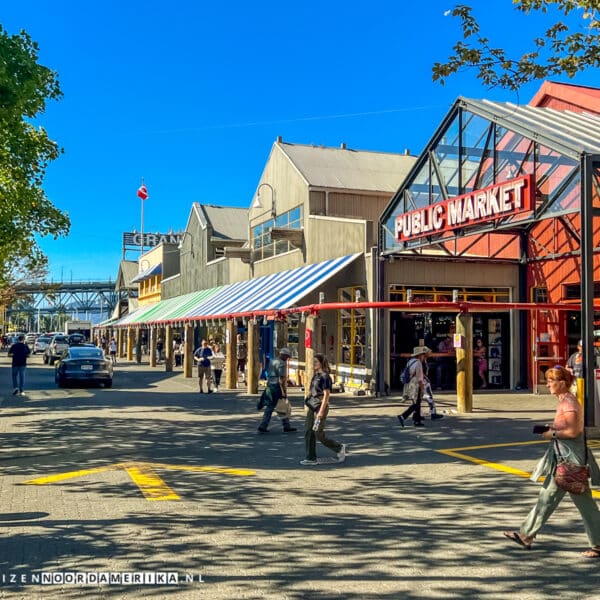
{"x": 320, "y": 388}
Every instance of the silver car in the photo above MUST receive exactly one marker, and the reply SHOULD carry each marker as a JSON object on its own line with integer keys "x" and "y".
{"x": 57, "y": 345}
{"x": 41, "y": 343}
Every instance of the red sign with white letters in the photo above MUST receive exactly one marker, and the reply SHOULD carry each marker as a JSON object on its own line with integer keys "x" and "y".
{"x": 481, "y": 206}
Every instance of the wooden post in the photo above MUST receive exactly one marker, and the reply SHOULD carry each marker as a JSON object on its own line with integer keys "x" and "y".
{"x": 129, "y": 343}
{"x": 153, "y": 335}
{"x": 231, "y": 355}
{"x": 120, "y": 340}
{"x": 253, "y": 363}
{"x": 188, "y": 354}
{"x": 168, "y": 348}
{"x": 464, "y": 364}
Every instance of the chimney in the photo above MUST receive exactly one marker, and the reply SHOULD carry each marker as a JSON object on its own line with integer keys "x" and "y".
{"x": 406, "y": 152}
{"x": 279, "y": 139}
{"x": 343, "y": 145}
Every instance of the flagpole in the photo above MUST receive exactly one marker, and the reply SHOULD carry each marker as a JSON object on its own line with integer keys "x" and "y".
{"x": 142, "y": 240}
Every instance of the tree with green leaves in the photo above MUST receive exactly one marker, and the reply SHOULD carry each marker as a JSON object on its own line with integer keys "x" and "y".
{"x": 26, "y": 213}
{"x": 569, "y": 46}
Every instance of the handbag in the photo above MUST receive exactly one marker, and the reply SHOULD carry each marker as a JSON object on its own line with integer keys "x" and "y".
{"x": 313, "y": 403}
{"x": 571, "y": 477}
{"x": 283, "y": 406}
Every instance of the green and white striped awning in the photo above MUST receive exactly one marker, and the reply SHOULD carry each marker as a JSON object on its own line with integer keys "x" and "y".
{"x": 173, "y": 309}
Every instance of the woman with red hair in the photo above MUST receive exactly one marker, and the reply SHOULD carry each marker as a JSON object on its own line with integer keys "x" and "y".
{"x": 567, "y": 438}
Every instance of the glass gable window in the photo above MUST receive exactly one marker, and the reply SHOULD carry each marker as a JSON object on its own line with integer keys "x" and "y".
{"x": 263, "y": 245}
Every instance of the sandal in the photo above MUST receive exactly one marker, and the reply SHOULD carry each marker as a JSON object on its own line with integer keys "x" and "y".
{"x": 515, "y": 536}
{"x": 592, "y": 552}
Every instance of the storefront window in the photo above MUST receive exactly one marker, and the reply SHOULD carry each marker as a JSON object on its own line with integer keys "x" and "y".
{"x": 264, "y": 246}
{"x": 351, "y": 328}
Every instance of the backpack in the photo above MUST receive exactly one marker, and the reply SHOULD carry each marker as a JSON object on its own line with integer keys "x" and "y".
{"x": 406, "y": 375}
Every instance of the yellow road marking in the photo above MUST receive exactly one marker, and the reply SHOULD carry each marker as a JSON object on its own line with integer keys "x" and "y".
{"x": 498, "y": 445}
{"x": 239, "y": 472}
{"x": 63, "y": 476}
{"x": 497, "y": 466}
{"x": 143, "y": 475}
{"x": 150, "y": 484}
{"x": 486, "y": 463}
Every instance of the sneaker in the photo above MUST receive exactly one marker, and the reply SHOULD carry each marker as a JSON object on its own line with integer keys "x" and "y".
{"x": 262, "y": 429}
{"x": 419, "y": 424}
{"x": 401, "y": 419}
{"x": 341, "y": 455}
{"x": 15, "y": 391}
{"x": 289, "y": 429}
{"x": 436, "y": 416}
{"x": 210, "y": 391}
{"x": 308, "y": 463}
{"x": 21, "y": 393}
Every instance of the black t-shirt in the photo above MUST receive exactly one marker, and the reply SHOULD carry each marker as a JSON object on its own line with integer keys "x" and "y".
{"x": 320, "y": 382}
{"x": 19, "y": 352}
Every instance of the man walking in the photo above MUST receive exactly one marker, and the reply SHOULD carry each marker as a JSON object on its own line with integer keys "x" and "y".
{"x": 203, "y": 356}
{"x": 19, "y": 352}
{"x": 276, "y": 389}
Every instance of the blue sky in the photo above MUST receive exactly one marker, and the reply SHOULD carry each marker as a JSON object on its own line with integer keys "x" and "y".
{"x": 191, "y": 97}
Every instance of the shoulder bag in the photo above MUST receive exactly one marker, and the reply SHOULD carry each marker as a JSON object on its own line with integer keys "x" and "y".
{"x": 569, "y": 476}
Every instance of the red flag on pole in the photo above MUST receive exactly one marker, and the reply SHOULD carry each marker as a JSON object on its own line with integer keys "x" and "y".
{"x": 143, "y": 192}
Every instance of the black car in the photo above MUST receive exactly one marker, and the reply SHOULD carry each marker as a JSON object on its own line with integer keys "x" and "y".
{"x": 83, "y": 363}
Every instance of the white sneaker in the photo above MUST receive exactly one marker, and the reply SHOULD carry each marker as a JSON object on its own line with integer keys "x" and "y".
{"x": 308, "y": 463}
{"x": 341, "y": 455}
{"x": 21, "y": 393}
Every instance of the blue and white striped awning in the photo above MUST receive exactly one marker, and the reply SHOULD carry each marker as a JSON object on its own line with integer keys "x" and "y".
{"x": 270, "y": 292}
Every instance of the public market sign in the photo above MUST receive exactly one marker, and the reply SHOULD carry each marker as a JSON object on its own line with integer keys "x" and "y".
{"x": 481, "y": 206}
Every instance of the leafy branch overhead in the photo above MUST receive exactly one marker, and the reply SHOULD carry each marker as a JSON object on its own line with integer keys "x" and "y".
{"x": 563, "y": 49}
{"x": 25, "y": 152}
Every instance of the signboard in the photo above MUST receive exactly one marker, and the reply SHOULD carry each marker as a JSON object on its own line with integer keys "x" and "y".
{"x": 151, "y": 239}
{"x": 481, "y": 206}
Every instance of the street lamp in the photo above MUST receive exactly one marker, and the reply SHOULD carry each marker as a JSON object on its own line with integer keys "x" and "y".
{"x": 257, "y": 202}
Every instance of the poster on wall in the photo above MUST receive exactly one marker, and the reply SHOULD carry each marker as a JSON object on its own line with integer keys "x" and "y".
{"x": 495, "y": 352}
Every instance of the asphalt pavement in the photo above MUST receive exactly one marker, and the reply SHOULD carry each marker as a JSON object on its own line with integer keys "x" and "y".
{"x": 151, "y": 477}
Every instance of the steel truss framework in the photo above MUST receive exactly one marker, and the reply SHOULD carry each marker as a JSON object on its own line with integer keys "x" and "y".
{"x": 85, "y": 299}
{"x": 474, "y": 148}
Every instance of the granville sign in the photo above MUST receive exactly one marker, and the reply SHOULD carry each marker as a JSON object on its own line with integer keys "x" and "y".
{"x": 488, "y": 204}
{"x": 151, "y": 239}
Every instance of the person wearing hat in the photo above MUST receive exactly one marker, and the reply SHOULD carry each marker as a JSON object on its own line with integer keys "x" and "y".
{"x": 276, "y": 389}
{"x": 416, "y": 385}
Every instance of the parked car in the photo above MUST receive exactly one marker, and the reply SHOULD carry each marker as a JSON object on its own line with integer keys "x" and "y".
{"x": 81, "y": 363}
{"x": 41, "y": 343}
{"x": 76, "y": 339}
{"x": 30, "y": 340}
{"x": 57, "y": 345}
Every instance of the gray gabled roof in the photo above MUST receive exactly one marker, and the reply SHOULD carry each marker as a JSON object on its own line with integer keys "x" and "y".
{"x": 128, "y": 269}
{"x": 571, "y": 133}
{"x": 344, "y": 168}
{"x": 228, "y": 222}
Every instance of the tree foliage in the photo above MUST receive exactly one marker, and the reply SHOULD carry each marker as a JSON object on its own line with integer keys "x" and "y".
{"x": 25, "y": 152}
{"x": 563, "y": 49}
